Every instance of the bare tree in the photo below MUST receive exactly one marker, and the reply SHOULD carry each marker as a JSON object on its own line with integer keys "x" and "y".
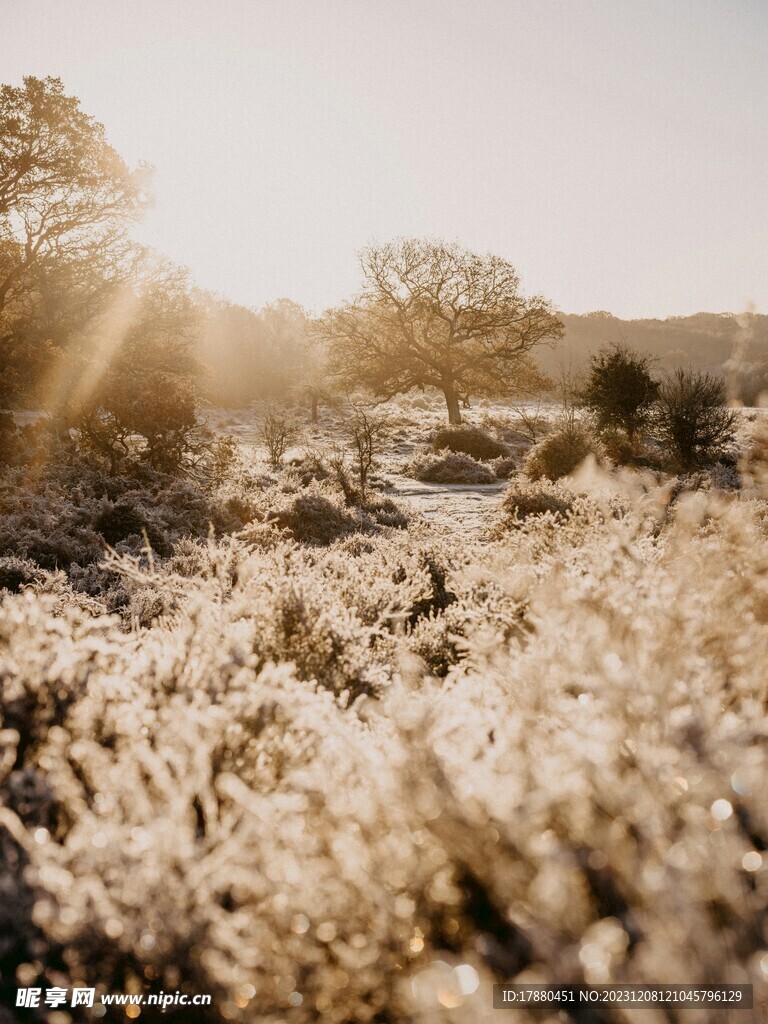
{"x": 434, "y": 315}
{"x": 530, "y": 420}
{"x": 364, "y": 431}
{"x": 278, "y": 433}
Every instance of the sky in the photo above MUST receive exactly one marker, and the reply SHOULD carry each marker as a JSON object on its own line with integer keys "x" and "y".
{"x": 615, "y": 151}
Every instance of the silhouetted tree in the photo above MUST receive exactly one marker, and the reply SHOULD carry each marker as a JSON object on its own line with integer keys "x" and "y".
{"x": 619, "y": 390}
{"x": 433, "y": 314}
{"x": 66, "y": 201}
{"x": 691, "y": 417}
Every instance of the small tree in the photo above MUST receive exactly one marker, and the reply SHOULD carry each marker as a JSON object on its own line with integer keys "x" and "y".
{"x": 620, "y": 390}
{"x": 364, "y": 432}
{"x": 691, "y": 417}
{"x": 278, "y": 433}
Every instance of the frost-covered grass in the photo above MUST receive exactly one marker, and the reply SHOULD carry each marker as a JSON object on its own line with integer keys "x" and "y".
{"x": 366, "y": 776}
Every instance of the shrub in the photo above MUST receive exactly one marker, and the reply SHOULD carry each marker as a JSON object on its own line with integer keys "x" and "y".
{"x": 560, "y": 452}
{"x": 590, "y": 778}
{"x": 278, "y": 433}
{"x": 620, "y": 390}
{"x": 386, "y": 513}
{"x": 692, "y": 419}
{"x": 469, "y": 441}
{"x": 312, "y": 518}
{"x": 452, "y": 469}
{"x": 16, "y": 573}
{"x": 504, "y": 468}
{"x": 310, "y": 466}
{"x": 119, "y": 521}
{"x": 524, "y": 500}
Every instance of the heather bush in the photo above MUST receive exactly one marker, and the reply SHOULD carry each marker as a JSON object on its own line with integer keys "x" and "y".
{"x": 69, "y": 514}
{"x": 562, "y": 451}
{"x": 321, "y": 513}
{"x": 471, "y": 441}
{"x": 452, "y": 469}
{"x": 543, "y": 498}
{"x": 17, "y": 572}
{"x": 313, "y": 518}
{"x": 506, "y": 467}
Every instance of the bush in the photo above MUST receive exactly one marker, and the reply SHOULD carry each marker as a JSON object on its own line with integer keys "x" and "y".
{"x": 16, "y": 573}
{"x": 590, "y": 777}
{"x": 452, "y": 469}
{"x": 562, "y": 451}
{"x": 504, "y": 468}
{"x": 692, "y": 419}
{"x": 386, "y": 513}
{"x": 313, "y": 518}
{"x": 310, "y": 466}
{"x": 524, "y": 500}
{"x": 620, "y": 390}
{"x": 119, "y": 521}
{"x": 469, "y": 441}
{"x": 68, "y": 516}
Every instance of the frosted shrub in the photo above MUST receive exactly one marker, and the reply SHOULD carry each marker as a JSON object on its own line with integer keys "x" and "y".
{"x": 315, "y": 519}
{"x": 562, "y": 451}
{"x": 452, "y": 469}
{"x": 524, "y": 499}
{"x": 469, "y": 441}
{"x": 506, "y": 467}
{"x": 320, "y": 514}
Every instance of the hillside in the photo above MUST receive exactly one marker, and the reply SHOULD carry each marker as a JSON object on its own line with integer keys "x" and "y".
{"x": 705, "y": 341}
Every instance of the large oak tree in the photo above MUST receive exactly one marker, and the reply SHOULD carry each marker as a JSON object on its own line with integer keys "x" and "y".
{"x": 433, "y": 314}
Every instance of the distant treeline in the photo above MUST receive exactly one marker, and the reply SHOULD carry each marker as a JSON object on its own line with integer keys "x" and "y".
{"x": 732, "y": 345}
{"x": 249, "y": 354}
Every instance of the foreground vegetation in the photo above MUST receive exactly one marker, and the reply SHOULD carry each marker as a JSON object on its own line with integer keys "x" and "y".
{"x": 331, "y": 762}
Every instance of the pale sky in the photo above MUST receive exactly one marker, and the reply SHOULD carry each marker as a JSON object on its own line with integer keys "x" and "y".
{"x": 615, "y": 151}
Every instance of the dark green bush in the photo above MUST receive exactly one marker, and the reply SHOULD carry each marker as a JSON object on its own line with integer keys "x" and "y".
{"x": 620, "y": 390}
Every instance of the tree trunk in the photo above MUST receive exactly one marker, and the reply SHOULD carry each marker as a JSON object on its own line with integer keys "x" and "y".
{"x": 314, "y": 408}
{"x": 454, "y": 409}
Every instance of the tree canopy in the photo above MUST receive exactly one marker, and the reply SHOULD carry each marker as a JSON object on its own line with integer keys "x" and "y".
{"x": 432, "y": 314}
{"x": 619, "y": 389}
{"x": 67, "y": 200}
